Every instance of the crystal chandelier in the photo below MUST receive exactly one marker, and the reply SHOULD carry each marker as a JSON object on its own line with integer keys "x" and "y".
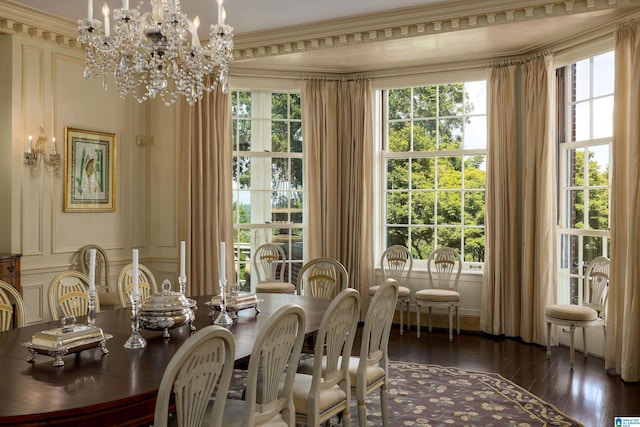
{"x": 157, "y": 54}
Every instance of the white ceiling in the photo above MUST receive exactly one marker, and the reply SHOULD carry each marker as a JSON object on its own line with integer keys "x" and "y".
{"x": 263, "y": 27}
{"x": 243, "y": 15}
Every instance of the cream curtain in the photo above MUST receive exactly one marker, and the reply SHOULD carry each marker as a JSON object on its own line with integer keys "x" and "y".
{"x": 538, "y": 197}
{"x": 623, "y": 321}
{"x": 204, "y": 195}
{"x": 338, "y": 136}
{"x": 500, "y": 301}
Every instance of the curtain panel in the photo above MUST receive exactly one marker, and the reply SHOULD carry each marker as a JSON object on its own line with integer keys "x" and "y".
{"x": 205, "y": 209}
{"x": 622, "y": 350}
{"x": 337, "y": 127}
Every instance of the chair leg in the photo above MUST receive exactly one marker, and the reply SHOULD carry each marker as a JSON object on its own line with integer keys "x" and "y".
{"x": 548, "y": 340}
{"x": 401, "y": 319}
{"x": 584, "y": 342}
{"x": 384, "y": 405}
{"x": 458, "y": 319}
{"x": 408, "y": 314}
{"x": 345, "y": 420}
{"x": 429, "y": 318}
{"x": 450, "y": 323}
{"x": 418, "y": 310}
{"x": 572, "y": 330}
{"x": 362, "y": 413}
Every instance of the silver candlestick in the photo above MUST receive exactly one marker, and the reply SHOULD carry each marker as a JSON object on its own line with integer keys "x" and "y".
{"x": 223, "y": 318}
{"x": 182, "y": 280}
{"x": 91, "y": 313}
{"x": 135, "y": 340}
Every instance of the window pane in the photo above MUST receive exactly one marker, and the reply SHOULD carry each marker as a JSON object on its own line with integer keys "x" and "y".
{"x": 244, "y": 135}
{"x": 295, "y": 129}
{"x": 243, "y": 198}
{"x": 582, "y": 80}
{"x": 449, "y": 207}
{"x": 592, "y": 248}
{"x": 397, "y": 208}
{"x": 397, "y": 236}
{"x": 279, "y": 137}
{"x": 279, "y": 173}
{"x": 575, "y": 205}
{"x": 475, "y": 132}
{"x": 599, "y": 165}
{"x": 603, "y": 74}
{"x": 451, "y": 97}
{"x": 475, "y": 172}
{"x": 424, "y": 135}
{"x": 599, "y": 209}
{"x": 296, "y": 174}
{"x": 451, "y": 237}
{"x": 241, "y": 104}
{"x": 450, "y": 134}
{"x": 295, "y": 111}
{"x": 575, "y": 167}
{"x": 474, "y": 244}
{"x": 583, "y": 121}
{"x": 242, "y": 172}
{"x": 399, "y": 103}
{"x": 425, "y": 101}
{"x": 603, "y": 117}
{"x": 398, "y": 174}
{"x": 422, "y": 173}
{"x": 422, "y": 207}
{"x": 474, "y": 207}
{"x": 279, "y": 105}
{"x": 476, "y": 97}
{"x": 399, "y": 136}
{"x": 569, "y": 246}
{"x": 422, "y": 242}
{"x": 449, "y": 172}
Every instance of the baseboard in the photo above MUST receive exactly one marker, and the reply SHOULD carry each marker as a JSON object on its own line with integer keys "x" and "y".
{"x": 441, "y": 321}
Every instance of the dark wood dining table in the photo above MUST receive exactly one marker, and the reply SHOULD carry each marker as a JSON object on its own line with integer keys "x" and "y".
{"x": 118, "y": 388}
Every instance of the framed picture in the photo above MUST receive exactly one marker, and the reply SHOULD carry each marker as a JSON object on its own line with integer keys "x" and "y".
{"x": 89, "y": 171}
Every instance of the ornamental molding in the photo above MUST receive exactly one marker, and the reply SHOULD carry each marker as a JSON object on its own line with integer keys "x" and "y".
{"x": 356, "y": 30}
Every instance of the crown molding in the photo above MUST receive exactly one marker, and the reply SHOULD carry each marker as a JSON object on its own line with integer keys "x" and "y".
{"x": 355, "y": 30}
{"x": 410, "y": 22}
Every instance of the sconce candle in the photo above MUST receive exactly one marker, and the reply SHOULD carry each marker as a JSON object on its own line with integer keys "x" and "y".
{"x": 105, "y": 13}
{"x": 54, "y": 151}
{"x": 30, "y": 149}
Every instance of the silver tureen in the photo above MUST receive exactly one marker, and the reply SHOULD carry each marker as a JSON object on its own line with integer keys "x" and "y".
{"x": 167, "y": 310}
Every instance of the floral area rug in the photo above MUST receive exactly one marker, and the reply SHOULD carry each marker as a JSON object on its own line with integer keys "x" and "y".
{"x": 431, "y": 395}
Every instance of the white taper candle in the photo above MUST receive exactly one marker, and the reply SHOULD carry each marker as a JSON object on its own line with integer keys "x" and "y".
{"x": 92, "y": 271}
{"x": 134, "y": 276}
{"x": 223, "y": 273}
{"x": 90, "y": 10}
{"x": 220, "y": 18}
{"x": 182, "y": 258}
{"x": 105, "y": 13}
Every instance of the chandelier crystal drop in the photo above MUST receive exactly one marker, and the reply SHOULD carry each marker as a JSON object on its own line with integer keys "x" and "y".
{"x": 157, "y": 54}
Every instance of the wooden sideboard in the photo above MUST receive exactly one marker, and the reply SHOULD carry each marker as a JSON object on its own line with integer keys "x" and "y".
{"x": 10, "y": 269}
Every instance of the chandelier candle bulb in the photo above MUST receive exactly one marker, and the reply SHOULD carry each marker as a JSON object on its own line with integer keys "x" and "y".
{"x": 220, "y": 13}
{"x": 89, "y": 11}
{"x": 125, "y": 4}
{"x": 105, "y": 13}
{"x": 195, "y": 41}
{"x": 134, "y": 276}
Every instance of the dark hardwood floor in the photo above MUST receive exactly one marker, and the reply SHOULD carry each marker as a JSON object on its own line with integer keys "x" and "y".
{"x": 587, "y": 393}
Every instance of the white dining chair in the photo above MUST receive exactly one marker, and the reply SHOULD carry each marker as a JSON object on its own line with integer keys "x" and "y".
{"x": 202, "y": 364}
{"x": 269, "y": 263}
{"x": 322, "y": 278}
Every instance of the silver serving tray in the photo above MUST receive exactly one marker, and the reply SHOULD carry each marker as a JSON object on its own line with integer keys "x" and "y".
{"x": 60, "y": 342}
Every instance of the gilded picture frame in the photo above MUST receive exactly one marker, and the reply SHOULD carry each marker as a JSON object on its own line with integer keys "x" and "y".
{"x": 89, "y": 171}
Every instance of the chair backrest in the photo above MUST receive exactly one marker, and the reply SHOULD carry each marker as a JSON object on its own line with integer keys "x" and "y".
{"x": 334, "y": 341}
{"x": 69, "y": 295}
{"x": 377, "y": 326}
{"x": 101, "y": 265}
{"x": 596, "y": 283}
{"x": 269, "y": 263}
{"x": 322, "y": 278}
{"x": 147, "y": 285}
{"x": 10, "y": 298}
{"x": 444, "y": 266}
{"x": 275, "y": 351}
{"x": 202, "y": 364}
{"x": 397, "y": 263}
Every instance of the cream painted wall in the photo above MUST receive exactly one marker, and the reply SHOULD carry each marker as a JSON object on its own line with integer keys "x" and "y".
{"x": 48, "y": 90}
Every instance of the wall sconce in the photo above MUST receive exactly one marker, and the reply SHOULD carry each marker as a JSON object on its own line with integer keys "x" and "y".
{"x": 34, "y": 156}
